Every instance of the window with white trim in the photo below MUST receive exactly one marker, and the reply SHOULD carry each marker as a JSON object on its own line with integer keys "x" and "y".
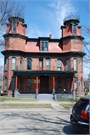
{"x": 67, "y": 64}
{"x": 6, "y": 64}
{"x": 59, "y": 65}
{"x": 75, "y": 64}
{"x": 44, "y": 46}
{"x": 47, "y": 63}
{"x": 21, "y": 63}
{"x": 5, "y": 88}
{"x": 13, "y": 63}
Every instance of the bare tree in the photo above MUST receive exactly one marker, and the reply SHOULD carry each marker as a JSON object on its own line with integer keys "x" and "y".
{"x": 9, "y": 8}
{"x": 86, "y": 42}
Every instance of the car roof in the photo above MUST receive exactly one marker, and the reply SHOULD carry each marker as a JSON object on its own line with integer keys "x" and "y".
{"x": 85, "y": 98}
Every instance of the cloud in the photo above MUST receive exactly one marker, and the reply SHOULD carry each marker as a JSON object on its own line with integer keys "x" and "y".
{"x": 51, "y": 15}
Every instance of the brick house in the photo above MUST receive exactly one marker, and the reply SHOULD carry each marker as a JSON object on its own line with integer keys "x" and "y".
{"x": 43, "y": 64}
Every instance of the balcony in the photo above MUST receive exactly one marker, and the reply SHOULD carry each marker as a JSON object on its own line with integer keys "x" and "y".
{"x": 52, "y": 70}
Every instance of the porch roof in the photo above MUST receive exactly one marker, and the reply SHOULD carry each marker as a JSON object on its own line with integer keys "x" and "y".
{"x": 45, "y": 72}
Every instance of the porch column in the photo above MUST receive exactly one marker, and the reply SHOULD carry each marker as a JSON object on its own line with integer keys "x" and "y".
{"x": 16, "y": 89}
{"x": 53, "y": 84}
{"x": 36, "y": 85}
{"x": 16, "y": 79}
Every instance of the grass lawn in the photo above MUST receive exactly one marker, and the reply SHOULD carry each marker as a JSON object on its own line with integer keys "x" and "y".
{"x": 25, "y": 106}
{"x": 67, "y": 106}
{"x": 6, "y": 98}
{"x": 66, "y": 99}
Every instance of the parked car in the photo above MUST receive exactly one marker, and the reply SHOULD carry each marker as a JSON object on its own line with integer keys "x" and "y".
{"x": 79, "y": 118}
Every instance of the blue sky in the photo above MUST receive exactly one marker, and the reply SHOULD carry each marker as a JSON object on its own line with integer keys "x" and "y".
{"x": 44, "y": 17}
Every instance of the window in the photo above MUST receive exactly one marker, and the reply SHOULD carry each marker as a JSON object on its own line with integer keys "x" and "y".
{"x": 75, "y": 64}
{"x": 67, "y": 64}
{"x": 59, "y": 65}
{"x": 81, "y": 65}
{"x": 5, "y": 88}
{"x": 13, "y": 65}
{"x": 6, "y": 64}
{"x": 14, "y": 27}
{"x": 44, "y": 46}
{"x": 81, "y": 84}
{"x": 67, "y": 84}
{"x": 13, "y": 83}
{"x": 29, "y": 64}
{"x": 28, "y": 84}
{"x": 21, "y": 64}
{"x": 76, "y": 83}
{"x": 74, "y": 29}
{"x": 59, "y": 84}
{"x": 20, "y": 84}
{"x": 47, "y": 64}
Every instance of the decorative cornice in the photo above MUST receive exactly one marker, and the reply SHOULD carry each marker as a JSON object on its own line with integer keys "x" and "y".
{"x": 15, "y": 36}
{"x": 37, "y": 54}
{"x": 72, "y": 37}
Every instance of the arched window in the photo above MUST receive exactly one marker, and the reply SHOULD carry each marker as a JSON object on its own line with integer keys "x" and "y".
{"x": 81, "y": 84}
{"x": 67, "y": 64}
{"x": 21, "y": 63}
{"x": 74, "y": 28}
{"x": 13, "y": 64}
{"x": 29, "y": 64}
{"x": 28, "y": 84}
{"x": 59, "y": 65}
{"x": 67, "y": 84}
{"x": 14, "y": 27}
{"x": 6, "y": 64}
{"x": 81, "y": 65}
{"x": 59, "y": 84}
{"x": 5, "y": 88}
{"x": 47, "y": 63}
{"x": 75, "y": 64}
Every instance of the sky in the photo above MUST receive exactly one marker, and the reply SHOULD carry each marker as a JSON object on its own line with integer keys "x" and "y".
{"x": 44, "y": 17}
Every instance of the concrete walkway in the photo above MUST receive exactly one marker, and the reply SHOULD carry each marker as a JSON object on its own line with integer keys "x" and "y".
{"x": 54, "y": 104}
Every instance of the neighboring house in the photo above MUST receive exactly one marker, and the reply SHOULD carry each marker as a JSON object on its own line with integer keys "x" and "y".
{"x": 43, "y": 64}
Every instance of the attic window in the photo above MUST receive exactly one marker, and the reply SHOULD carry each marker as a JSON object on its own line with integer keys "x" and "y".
{"x": 14, "y": 27}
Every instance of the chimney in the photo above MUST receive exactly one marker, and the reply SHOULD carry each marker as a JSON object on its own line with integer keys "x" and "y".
{"x": 50, "y": 36}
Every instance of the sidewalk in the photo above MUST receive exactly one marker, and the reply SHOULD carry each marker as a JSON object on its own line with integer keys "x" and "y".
{"x": 54, "y": 104}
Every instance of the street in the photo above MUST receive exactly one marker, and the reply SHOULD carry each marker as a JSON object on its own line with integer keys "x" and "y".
{"x": 35, "y": 122}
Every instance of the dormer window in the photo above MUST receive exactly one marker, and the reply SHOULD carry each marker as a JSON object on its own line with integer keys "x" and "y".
{"x": 74, "y": 28}
{"x": 14, "y": 27}
{"x": 44, "y": 46}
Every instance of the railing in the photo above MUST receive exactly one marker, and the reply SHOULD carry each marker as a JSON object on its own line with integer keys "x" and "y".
{"x": 71, "y": 17}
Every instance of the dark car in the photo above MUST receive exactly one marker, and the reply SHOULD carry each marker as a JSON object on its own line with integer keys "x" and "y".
{"x": 79, "y": 118}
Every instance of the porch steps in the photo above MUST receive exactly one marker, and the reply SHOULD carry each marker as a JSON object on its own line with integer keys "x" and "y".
{"x": 45, "y": 97}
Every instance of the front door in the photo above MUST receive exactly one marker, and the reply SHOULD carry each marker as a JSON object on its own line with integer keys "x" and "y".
{"x": 28, "y": 84}
{"x": 44, "y": 84}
